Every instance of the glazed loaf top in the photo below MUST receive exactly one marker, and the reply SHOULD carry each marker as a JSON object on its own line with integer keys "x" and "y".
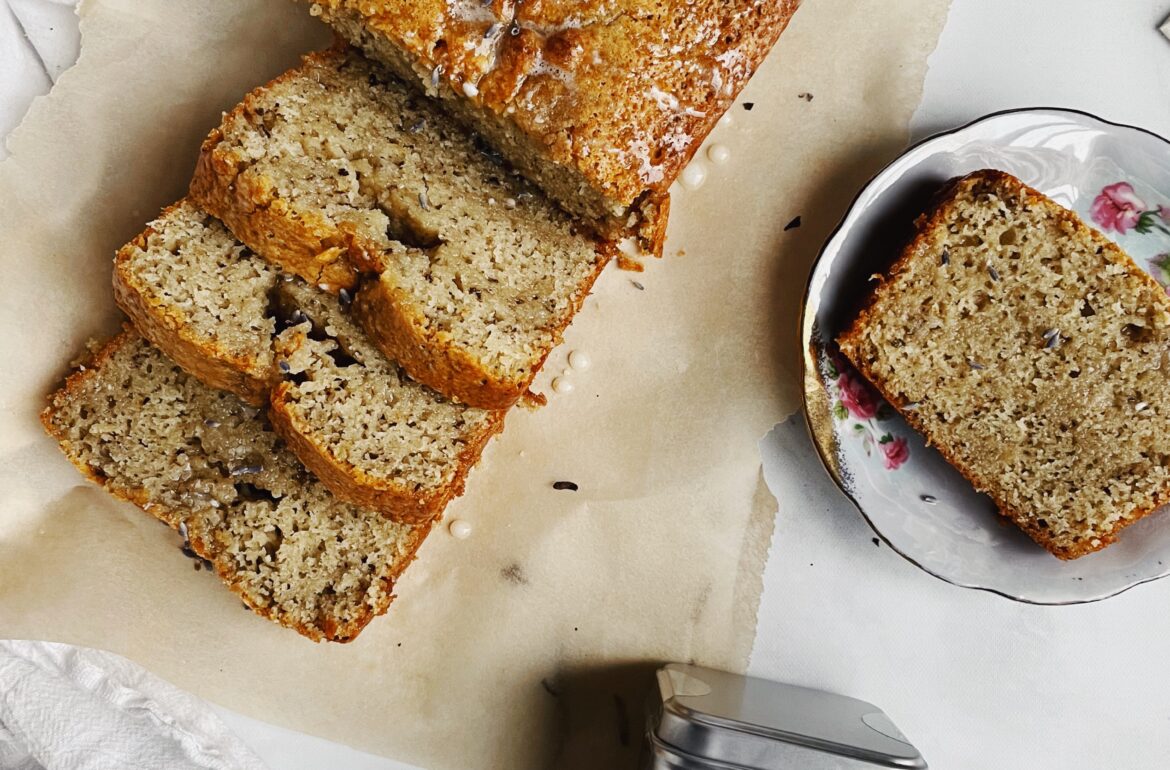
{"x": 618, "y": 92}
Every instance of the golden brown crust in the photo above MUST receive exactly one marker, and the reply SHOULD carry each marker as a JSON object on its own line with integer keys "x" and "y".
{"x": 604, "y": 101}
{"x": 208, "y": 362}
{"x": 652, "y": 221}
{"x": 1038, "y": 534}
{"x": 249, "y": 208}
{"x": 430, "y": 357}
{"x": 328, "y": 631}
{"x": 333, "y": 257}
{"x": 214, "y": 366}
{"x": 850, "y": 342}
{"x": 305, "y": 245}
{"x": 353, "y": 485}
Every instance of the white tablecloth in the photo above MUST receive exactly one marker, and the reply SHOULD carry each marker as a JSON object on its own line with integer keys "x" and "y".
{"x": 976, "y": 681}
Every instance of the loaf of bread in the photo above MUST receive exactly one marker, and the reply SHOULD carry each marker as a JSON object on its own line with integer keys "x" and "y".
{"x": 373, "y": 436}
{"x": 601, "y": 103}
{"x": 1033, "y": 353}
{"x": 210, "y": 466}
{"x": 335, "y": 172}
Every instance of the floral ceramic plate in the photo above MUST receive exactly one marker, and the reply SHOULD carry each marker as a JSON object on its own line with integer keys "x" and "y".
{"x": 1116, "y": 177}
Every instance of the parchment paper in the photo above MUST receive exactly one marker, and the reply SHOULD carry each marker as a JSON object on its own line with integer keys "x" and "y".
{"x": 526, "y": 644}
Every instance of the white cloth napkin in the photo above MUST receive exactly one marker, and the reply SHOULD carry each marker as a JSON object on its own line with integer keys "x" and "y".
{"x": 70, "y": 708}
{"x": 1166, "y": 27}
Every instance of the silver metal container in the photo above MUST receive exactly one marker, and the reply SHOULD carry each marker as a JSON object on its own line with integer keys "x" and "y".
{"x": 702, "y": 719}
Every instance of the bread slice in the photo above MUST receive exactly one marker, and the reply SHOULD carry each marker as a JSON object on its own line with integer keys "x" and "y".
{"x": 601, "y": 103}
{"x": 210, "y": 466}
{"x": 336, "y": 172}
{"x": 204, "y": 298}
{"x": 1033, "y": 353}
{"x": 373, "y": 436}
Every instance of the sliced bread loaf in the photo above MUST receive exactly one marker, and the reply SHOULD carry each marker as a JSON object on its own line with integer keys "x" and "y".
{"x": 601, "y": 103}
{"x": 372, "y": 435}
{"x": 337, "y": 172}
{"x": 1032, "y": 352}
{"x": 210, "y": 466}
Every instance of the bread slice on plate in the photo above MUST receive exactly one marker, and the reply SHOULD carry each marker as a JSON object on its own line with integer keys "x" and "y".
{"x": 209, "y": 465}
{"x": 1034, "y": 354}
{"x": 601, "y": 103}
{"x": 465, "y": 275}
{"x": 372, "y": 435}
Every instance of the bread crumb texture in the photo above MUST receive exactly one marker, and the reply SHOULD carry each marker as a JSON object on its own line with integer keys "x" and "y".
{"x": 370, "y": 433}
{"x": 1037, "y": 355}
{"x": 208, "y": 464}
{"x": 336, "y": 171}
{"x": 187, "y": 261}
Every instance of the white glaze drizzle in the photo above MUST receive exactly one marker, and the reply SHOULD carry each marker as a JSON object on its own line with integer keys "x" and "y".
{"x": 694, "y": 175}
{"x": 579, "y": 359}
{"x": 719, "y": 153}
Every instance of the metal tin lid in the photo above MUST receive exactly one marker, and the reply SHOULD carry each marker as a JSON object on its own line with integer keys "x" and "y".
{"x": 744, "y": 722}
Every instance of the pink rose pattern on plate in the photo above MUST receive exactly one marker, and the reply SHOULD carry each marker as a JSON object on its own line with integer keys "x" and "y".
{"x": 855, "y": 400}
{"x": 895, "y": 451}
{"x": 1119, "y": 209}
{"x": 856, "y": 396}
